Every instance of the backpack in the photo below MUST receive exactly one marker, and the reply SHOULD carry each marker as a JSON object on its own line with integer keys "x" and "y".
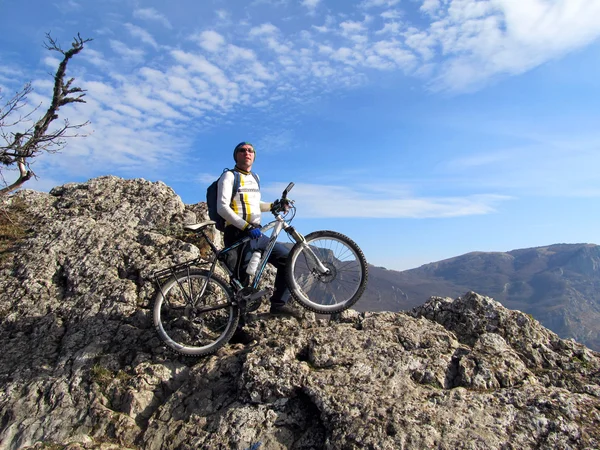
{"x": 211, "y": 197}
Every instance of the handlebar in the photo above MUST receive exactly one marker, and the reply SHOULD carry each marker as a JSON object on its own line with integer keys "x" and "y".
{"x": 277, "y": 206}
{"x": 287, "y": 190}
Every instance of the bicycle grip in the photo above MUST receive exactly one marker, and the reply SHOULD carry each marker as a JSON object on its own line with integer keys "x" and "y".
{"x": 287, "y": 189}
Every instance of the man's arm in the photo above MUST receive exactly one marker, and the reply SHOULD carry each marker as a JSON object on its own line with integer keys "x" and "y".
{"x": 224, "y": 192}
{"x": 265, "y": 206}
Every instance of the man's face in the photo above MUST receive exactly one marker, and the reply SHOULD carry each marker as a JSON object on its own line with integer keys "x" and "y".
{"x": 244, "y": 156}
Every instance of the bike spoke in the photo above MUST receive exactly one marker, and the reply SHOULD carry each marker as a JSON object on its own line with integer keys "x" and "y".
{"x": 344, "y": 275}
{"x": 196, "y": 313}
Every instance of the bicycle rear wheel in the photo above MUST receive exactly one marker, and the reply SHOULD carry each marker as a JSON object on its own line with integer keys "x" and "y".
{"x": 194, "y": 324}
{"x": 339, "y": 288}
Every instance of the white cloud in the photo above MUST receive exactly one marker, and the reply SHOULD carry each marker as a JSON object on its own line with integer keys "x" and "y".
{"x": 100, "y": 91}
{"x": 431, "y": 7}
{"x": 394, "y": 52}
{"x": 51, "y": 62}
{"x": 275, "y": 141}
{"x": 72, "y": 4}
{"x": 264, "y": 29}
{"x": 152, "y": 15}
{"x": 223, "y": 15}
{"x": 132, "y": 54}
{"x": 141, "y": 34}
{"x": 206, "y": 178}
{"x": 421, "y": 42}
{"x": 95, "y": 57}
{"x": 199, "y": 64}
{"x": 278, "y": 46}
{"x": 260, "y": 71}
{"x": 44, "y": 85}
{"x": 392, "y": 14}
{"x": 482, "y": 39}
{"x": 5, "y": 70}
{"x": 322, "y": 29}
{"x": 235, "y": 54}
{"x": 392, "y": 28}
{"x": 351, "y": 27}
{"x": 552, "y": 162}
{"x": 378, "y": 3}
{"x": 462, "y": 44}
{"x": 311, "y": 4}
{"x": 323, "y": 201}
{"x": 210, "y": 40}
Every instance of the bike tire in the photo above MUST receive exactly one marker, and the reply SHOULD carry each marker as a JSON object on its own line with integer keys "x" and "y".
{"x": 342, "y": 287}
{"x": 200, "y": 327}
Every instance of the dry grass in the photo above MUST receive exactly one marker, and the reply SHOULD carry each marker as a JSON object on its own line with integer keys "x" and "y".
{"x": 198, "y": 241}
{"x": 14, "y": 226}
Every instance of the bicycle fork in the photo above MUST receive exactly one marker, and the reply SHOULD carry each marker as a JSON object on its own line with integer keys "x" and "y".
{"x": 299, "y": 238}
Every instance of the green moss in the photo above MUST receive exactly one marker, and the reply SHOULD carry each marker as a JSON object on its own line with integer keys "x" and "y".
{"x": 585, "y": 364}
{"x": 530, "y": 317}
{"x": 101, "y": 375}
{"x": 123, "y": 376}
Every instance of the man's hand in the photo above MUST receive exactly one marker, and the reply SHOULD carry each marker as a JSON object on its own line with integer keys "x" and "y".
{"x": 254, "y": 233}
{"x": 280, "y": 205}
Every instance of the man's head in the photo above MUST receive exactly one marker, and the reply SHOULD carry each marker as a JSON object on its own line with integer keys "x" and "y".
{"x": 243, "y": 154}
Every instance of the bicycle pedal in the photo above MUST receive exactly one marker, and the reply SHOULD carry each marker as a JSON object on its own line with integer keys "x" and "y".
{"x": 260, "y": 294}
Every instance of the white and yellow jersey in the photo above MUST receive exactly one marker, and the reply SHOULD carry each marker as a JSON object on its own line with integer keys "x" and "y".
{"x": 244, "y": 206}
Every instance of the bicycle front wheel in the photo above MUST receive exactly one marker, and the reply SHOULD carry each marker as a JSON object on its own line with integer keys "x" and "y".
{"x": 194, "y": 314}
{"x": 340, "y": 286}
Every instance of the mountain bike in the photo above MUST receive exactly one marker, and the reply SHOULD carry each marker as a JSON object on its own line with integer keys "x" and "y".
{"x": 196, "y": 311}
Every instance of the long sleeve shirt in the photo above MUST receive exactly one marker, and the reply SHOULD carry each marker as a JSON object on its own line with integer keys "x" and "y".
{"x": 244, "y": 207}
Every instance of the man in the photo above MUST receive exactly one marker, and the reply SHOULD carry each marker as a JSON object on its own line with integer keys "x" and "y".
{"x": 242, "y": 214}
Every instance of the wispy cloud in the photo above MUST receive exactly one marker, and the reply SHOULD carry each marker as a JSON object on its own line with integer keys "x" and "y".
{"x": 557, "y": 166}
{"x": 153, "y": 15}
{"x": 323, "y": 201}
{"x": 378, "y": 3}
{"x": 265, "y": 29}
{"x": 209, "y": 40}
{"x": 275, "y": 141}
{"x": 127, "y": 52}
{"x": 455, "y": 45}
{"x": 483, "y": 39}
{"x": 206, "y": 178}
{"x": 142, "y": 35}
{"x": 311, "y": 5}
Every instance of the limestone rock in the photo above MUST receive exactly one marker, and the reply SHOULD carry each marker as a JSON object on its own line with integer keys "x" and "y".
{"x": 82, "y": 367}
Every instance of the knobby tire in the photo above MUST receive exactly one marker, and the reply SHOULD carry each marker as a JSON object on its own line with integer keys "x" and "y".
{"x": 346, "y": 281}
{"x": 193, "y": 325}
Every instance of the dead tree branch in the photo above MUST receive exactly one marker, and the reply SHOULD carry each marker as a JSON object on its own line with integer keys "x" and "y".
{"x": 22, "y": 147}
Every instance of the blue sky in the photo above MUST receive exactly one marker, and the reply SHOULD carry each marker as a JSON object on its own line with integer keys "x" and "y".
{"x": 423, "y": 129}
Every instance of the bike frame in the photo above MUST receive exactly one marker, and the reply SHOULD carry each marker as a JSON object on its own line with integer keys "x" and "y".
{"x": 277, "y": 226}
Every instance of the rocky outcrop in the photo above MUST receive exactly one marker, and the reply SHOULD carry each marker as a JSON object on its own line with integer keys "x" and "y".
{"x": 558, "y": 284}
{"x": 81, "y": 366}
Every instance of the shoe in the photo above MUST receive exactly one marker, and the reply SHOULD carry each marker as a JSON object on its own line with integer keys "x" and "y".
{"x": 284, "y": 310}
{"x": 241, "y": 336}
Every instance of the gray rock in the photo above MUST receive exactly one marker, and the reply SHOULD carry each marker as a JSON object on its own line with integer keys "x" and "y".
{"x": 82, "y": 367}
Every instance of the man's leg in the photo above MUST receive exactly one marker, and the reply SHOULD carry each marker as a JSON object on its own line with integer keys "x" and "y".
{"x": 279, "y": 259}
{"x": 234, "y": 260}
{"x": 237, "y": 260}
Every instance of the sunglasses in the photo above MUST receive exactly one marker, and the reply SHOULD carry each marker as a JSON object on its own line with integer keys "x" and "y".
{"x": 247, "y": 150}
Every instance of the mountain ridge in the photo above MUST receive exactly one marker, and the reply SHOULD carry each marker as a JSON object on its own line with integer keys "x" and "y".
{"x": 559, "y": 284}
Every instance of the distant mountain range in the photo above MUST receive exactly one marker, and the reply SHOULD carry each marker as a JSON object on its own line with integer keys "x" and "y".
{"x": 559, "y": 285}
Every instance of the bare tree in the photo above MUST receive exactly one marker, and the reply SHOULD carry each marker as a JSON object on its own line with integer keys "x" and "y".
{"x": 21, "y": 147}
